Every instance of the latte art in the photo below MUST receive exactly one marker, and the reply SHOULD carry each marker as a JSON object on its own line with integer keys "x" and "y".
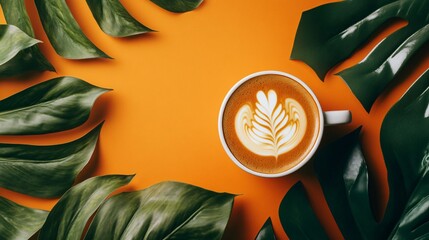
{"x": 270, "y": 123}
{"x": 271, "y": 127}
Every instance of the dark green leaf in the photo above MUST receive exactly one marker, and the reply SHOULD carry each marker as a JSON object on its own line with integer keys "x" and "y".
{"x": 114, "y": 19}
{"x": 69, "y": 216}
{"x": 414, "y": 223}
{"x": 405, "y": 134}
{"x": 178, "y": 6}
{"x": 266, "y": 232}
{"x": 18, "y": 222}
{"x": 63, "y": 31}
{"x": 30, "y": 59}
{"x": 12, "y": 41}
{"x": 330, "y": 33}
{"x": 297, "y": 216}
{"x": 55, "y": 105}
{"x": 45, "y": 171}
{"x": 167, "y": 210}
{"x": 405, "y": 145}
{"x": 343, "y": 175}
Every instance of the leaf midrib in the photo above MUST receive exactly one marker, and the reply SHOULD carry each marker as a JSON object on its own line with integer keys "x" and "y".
{"x": 35, "y": 105}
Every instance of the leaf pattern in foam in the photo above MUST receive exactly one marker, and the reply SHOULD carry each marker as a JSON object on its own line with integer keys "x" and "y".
{"x": 271, "y": 128}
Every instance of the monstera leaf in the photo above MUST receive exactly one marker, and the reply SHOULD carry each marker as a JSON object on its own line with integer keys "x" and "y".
{"x": 330, "y": 33}
{"x": 114, "y": 19}
{"x": 13, "y": 41}
{"x": 168, "y": 210}
{"x": 267, "y": 231}
{"x": 65, "y": 34}
{"x": 18, "y": 222}
{"x": 178, "y": 6}
{"x": 343, "y": 175}
{"x": 30, "y": 59}
{"x": 63, "y": 31}
{"x": 55, "y": 105}
{"x": 43, "y": 171}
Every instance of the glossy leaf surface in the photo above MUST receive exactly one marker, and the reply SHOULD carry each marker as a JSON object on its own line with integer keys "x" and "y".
{"x": 178, "y": 6}
{"x": 68, "y": 218}
{"x": 405, "y": 134}
{"x": 267, "y": 231}
{"x": 30, "y": 59}
{"x": 45, "y": 171}
{"x": 297, "y": 216}
{"x": 51, "y": 106}
{"x": 114, "y": 19}
{"x": 405, "y": 144}
{"x": 18, "y": 222}
{"x": 330, "y": 33}
{"x": 168, "y": 210}
{"x": 343, "y": 174}
{"x": 63, "y": 31}
{"x": 12, "y": 41}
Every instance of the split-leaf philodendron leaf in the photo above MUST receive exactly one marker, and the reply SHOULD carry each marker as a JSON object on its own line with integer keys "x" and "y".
{"x": 299, "y": 221}
{"x": 45, "y": 171}
{"x": 18, "y": 222}
{"x": 178, "y": 6}
{"x": 51, "y": 106}
{"x": 66, "y": 36}
{"x": 114, "y": 19}
{"x": 168, "y": 210}
{"x": 343, "y": 175}
{"x": 330, "y": 33}
{"x": 12, "y": 41}
{"x": 267, "y": 231}
{"x": 68, "y": 218}
{"x": 30, "y": 59}
{"x": 64, "y": 33}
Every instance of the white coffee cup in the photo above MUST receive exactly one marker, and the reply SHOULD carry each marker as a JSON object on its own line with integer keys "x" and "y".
{"x": 327, "y": 118}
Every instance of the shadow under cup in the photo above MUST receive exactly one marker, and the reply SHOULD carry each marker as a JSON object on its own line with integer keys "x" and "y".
{"x": 270, "y": 123}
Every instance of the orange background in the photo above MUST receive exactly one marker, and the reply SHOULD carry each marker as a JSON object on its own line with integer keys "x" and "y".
{"x": 161, "y": 118}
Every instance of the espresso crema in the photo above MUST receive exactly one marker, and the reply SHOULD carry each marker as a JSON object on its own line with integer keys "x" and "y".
{"x": 270, "y": 123}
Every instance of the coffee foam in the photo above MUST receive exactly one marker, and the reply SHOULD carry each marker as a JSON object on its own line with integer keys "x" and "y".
{"x": 277, "y": 144}
{"x": 268, "y": 127}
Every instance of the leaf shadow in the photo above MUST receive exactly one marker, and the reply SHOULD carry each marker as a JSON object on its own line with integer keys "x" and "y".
{"x": 234, "y": 229}
{"x": 150, "y": 36}
{"x": 91, "y": 167}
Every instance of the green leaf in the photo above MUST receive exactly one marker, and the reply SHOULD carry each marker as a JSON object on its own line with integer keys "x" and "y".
{"x": 297, "y": 216}
{"x": 343, "y": 174}
{"x": 54, "y": 105}
{"x": 18, "y": 222}
{"x": 414, "y": 223}
{"x": 267, "y": 231}
{"x": 178, "y": 6}
{"x": 30, "y": 59}
{"x": 114, "y": 19}
{"x": 45, "y": 171}
{"x": 405, "y": 134}
{"x": 12, "y": 41}
{"x": 330, "y": 33}
{"x": 63, "y": 31}
{"x": 405, "y": 145}
{"x": 168, "y": 210}
{"x": 68, "y": 218}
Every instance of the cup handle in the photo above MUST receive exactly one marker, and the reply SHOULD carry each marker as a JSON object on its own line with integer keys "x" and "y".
{"x": 337, "y": 117}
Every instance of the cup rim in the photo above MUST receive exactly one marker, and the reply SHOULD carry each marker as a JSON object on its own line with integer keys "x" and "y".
{"x": 222, "y": 136}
